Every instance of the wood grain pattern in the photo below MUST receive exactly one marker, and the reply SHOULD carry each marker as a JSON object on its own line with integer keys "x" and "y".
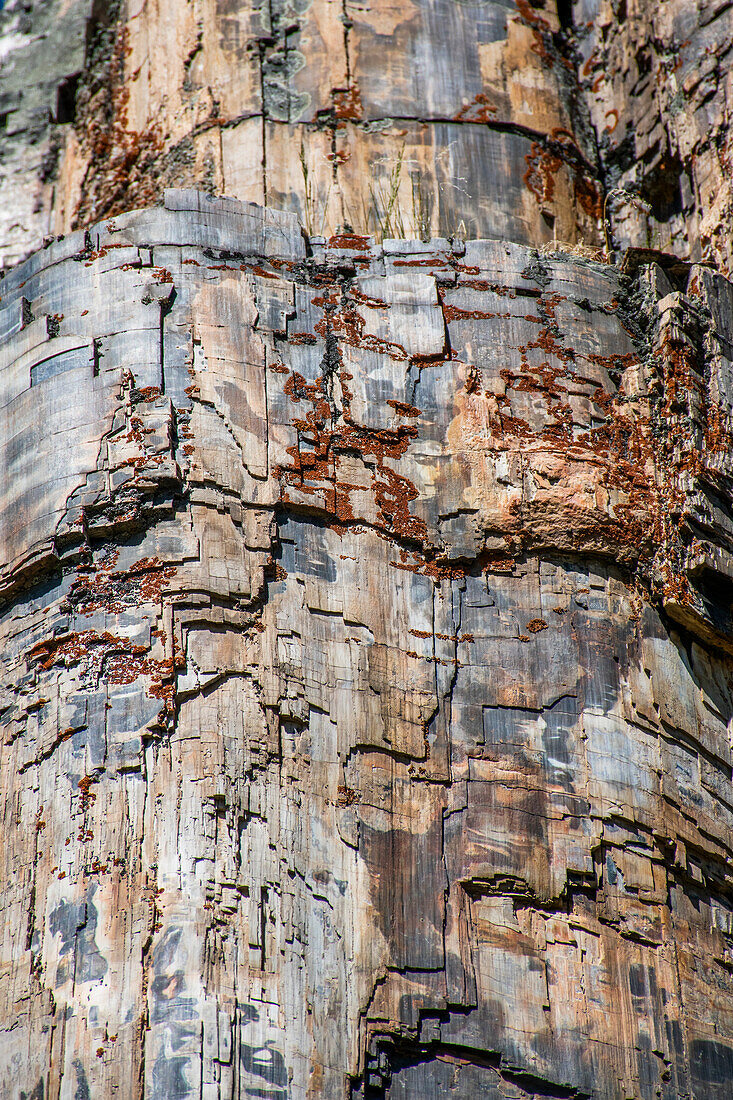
{"x": 366, "y": 667}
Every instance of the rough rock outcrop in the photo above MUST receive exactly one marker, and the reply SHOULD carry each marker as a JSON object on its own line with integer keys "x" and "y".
{"x": 532, "y": 120}
{"x": 657, "y": 80}
{"x": 366, "y": 672}
{"x": 366, "y": 602}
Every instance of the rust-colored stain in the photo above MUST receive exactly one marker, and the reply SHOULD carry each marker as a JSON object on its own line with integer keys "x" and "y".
{"x": 347, "y": 103}
{"x": 480, "y": 109}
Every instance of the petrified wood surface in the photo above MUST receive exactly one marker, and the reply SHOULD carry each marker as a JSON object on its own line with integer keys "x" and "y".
{"x": 366, "y": 673}
{"x": 505, "y": 118}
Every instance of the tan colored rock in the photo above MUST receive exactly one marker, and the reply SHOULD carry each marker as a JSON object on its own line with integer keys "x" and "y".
{"x": 366, "y": 554}
{"x": 656, "y": 79}
{"x": 366, "y": 689}
{"x": 585, "y": 122}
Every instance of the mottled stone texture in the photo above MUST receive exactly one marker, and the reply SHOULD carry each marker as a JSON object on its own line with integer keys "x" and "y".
{"x": 417, "y": 118}
{"x": 366, "y": 602}
{"x": 366, "y": 678}
{"x": 42, "y": 53}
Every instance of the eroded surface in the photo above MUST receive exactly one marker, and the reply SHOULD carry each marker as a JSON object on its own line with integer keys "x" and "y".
{"x": 527, "y": 120}
{"x": 365, "y": 670}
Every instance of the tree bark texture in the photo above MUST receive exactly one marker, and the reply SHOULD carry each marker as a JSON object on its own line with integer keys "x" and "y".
{"x": 366, "y": 667}
{"x": 366, "y": 603}
{"x": 417, "y": 118}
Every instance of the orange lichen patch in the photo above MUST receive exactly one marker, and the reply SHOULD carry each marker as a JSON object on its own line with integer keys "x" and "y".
{"x": 147, "y": 393}
{"x": 682, "y": 375}
{"x": 547, "y": 377}
{"x": 330, "y": 297}
{"x": 320, "y": 443}
{"x": 718, "y": 433}
{"x": 591, "y": 63}
{"x": 347, "y": 102}
{"x": 480, "y": 109}
{"x": 431, "y": 657}
{"x": 358, "y": 295}
{"x": 454, "y": 313}
{"x": 534, "y": 626}
{"x": 541, "y": 30}
{"x": 338, "y": 157}
{"x": 427, "y": 564}
{"x": 402, "y": 409}
{"x": 126, "y": 667}
{"x": 101, "y": 588}
{"x": 587, "y": 195}
{"x": 67, "y": 649}
{"x": 87, "y": 794}
{"x": 429, "y": 261}
{"x": 106, "y": 657}
{"x": 353, "y": 242}
{"x": 594, "y": 492}
{"x": 613, "y": 116}
{"x": 543, "y": 163}
{"x": 95, "y": 254}
{"x": 348, "y": 324}
{"x": 122, "y": 165}
{"x": 274, "y": 570}
{"x": 343, "y": 320}
{"x": 540, "y": 175}
{"x": 347, "y": 796}
{"x": 135, "y": 433}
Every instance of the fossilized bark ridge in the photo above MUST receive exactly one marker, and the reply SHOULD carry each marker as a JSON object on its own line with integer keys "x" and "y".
{"x": 504, "y": 118}
{"x": 366, "y": 604}
{"x": 365, "y": 674}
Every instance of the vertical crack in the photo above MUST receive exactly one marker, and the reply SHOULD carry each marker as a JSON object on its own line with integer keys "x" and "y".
{"x": 263, "y": 927}
{"x": 347, "y": 24}
{"x": 166, "y": 305}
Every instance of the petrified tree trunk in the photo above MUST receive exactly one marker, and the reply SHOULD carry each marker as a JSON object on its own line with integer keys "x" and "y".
{"x": 504, "y": 118}
{"x": 367, "y": 608}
